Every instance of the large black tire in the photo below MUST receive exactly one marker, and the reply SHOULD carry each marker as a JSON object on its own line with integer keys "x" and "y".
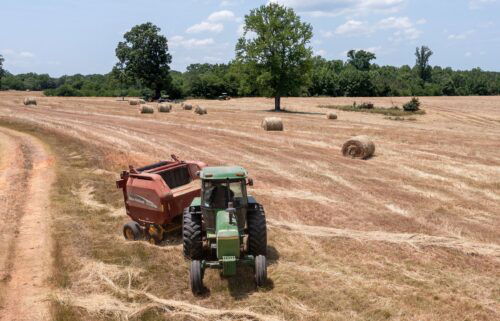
{"x": 132, "y": 231}
{"x": 192, "y": 235}
{"x": 260, "y": 270}
{"x": 257, "y": 232}
{"x": 196, "y": 277}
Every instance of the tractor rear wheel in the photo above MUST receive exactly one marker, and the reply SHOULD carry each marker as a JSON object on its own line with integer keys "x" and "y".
{"x": 260, "y": 270}
{"x": 132, "y": 231}
{"x": 192, "y": 235}
{"x": 257, "y": 232}
{"x": 196, "y": 277}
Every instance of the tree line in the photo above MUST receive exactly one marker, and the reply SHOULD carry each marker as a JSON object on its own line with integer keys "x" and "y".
{"x": 276, "y": 61}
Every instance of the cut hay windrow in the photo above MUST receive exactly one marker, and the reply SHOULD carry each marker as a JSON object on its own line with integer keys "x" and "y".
{"x": 29, "y": 101}
{"x": 164, "y": 108}
{"x": 331, "y": 116}
{"x": 272, "y": 124}
{"x": 200, "y": 110}
{"x": 145, "y": 109}
{"x": 358, "y": 147}
{"x": 187, "y": 106}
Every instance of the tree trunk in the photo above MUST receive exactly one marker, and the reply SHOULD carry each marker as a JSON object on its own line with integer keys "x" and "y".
{"x": 157, "y": 93}
{"x": 277, "y": 103}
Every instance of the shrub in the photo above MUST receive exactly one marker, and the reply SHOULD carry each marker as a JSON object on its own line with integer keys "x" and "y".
{"x": 366, "y": 106}
{"x": 413, "y": 105}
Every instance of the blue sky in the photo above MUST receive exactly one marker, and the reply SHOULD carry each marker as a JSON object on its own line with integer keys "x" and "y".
{"x": 68, "y": 36}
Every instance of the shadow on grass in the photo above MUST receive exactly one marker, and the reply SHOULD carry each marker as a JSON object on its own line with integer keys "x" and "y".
{"x": 284, "y": 111}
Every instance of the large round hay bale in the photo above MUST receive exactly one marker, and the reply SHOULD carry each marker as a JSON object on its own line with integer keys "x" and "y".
{"x": 358, "y": 147}
{"x": 145, "y": 109}
{"x": 187, "y": 107}
{"x": 272, "y": 124}
{"x": 135, "y": 102}
{"x": 331, "y": 115}
{"x": 200, "y": 110}
{"x": 163, "y": 108}
{"x": 29, "y": 101}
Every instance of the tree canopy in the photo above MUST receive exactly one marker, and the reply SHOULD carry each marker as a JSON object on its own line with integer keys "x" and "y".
{"x": 143, "y": 56}
{"x": 360, "y": 59}
{"x": 274, "y": 51}
{"x": 423, "y": 54}
{"x": 2, "y": 72}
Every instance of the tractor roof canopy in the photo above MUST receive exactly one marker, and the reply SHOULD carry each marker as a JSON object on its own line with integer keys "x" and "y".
{"x": 223, "y": 173}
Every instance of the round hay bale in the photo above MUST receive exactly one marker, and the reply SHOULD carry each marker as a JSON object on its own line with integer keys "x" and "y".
{"x": 272, "y": 124}
{"x": 331, "y": 116}
{"x": 200, "y": 110}
{"x": 133, "y": 102}
{"x": 164, "y": 108}
{"x": 145, "y": 109}
{"x": 359, "y": 147}
{"x": 142, "y": 101}
{"x": 187, "y": 107}
{"x": 29, "y": 101}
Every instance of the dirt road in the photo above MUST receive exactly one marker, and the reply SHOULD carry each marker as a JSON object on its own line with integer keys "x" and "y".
{"x": 26, "y": 174}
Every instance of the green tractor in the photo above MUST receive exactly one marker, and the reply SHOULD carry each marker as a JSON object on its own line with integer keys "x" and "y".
{"x": 224, "y": 227}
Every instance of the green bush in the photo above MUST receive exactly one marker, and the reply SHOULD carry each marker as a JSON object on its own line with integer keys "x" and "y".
{"x": 412, "y": 106}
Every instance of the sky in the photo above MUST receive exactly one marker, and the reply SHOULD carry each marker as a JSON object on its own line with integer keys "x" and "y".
{"x": 61, "y": 37}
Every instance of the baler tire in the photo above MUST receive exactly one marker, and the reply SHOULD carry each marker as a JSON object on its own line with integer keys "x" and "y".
{"x": 192, "y": 236}
{"x": 260, "y": 270}
{"x": 196, "y": 277}
{"x": 257, "y": 232}
{"x": 135, "y": 229}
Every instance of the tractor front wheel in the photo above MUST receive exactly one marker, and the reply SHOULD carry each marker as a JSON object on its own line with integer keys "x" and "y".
{"x": 260, "y": 270}
{"x": 196, "y": 277}
{"x": 257, "y": 232}
{"x": 132, "y": 231}
{"x": 192, "y": 235}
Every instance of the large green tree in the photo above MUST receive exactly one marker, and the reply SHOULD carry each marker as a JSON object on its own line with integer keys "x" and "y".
{"x": 424, "y": 70}
{"x": 274, "y": 48}
{"x": 144, "y": 56}
{"x": 360, "y": 59}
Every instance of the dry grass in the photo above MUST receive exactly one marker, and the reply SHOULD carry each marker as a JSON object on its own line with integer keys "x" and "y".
{"x": 391, "y": 111}
{"x": 411, "y": 234}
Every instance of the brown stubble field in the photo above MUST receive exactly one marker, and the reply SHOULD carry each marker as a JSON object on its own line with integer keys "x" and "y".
{"x": 410, "y": 234}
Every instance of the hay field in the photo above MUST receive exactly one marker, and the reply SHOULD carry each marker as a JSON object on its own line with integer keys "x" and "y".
{"x": 410, "y": 234}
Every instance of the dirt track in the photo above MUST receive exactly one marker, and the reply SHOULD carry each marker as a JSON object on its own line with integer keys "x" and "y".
{"x": 434, "y": 183}
{"x": 25, "y": 247}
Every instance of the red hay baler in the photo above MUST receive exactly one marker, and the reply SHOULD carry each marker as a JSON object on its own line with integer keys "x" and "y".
{"x": 155, "y": 197}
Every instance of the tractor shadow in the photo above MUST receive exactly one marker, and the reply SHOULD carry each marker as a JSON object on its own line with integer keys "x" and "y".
{"x": 243, "y": 284}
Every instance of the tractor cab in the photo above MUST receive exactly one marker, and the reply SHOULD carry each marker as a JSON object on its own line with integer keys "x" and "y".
{"x": 223, "y": 188}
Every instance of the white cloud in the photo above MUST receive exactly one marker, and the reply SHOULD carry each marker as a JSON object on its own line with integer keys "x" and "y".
{"x": 224, "y": 15}
{"x": 318, "y": 8}
{"x": 403, "y": 26}
{"x": 461, "y": 36}
{"x": 353, "y": 28}
{"x": 241, "y": 30}
{"x": 205, "y": 26}
{"x": 422, "y": 21}
{"x": 180, "y": 41}
{"x": 468, "y": 54}
{"x": 15, "y": 55}
{"x": 478, "y": 4}
{"x": 320, "y": 52}
{"x": 395, "y": 23}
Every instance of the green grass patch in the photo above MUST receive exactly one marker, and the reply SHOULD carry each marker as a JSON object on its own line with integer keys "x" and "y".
{"x": 392, "y": 111}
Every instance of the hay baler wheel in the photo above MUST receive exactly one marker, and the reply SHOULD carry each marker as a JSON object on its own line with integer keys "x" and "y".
{"x": 196, "y": 277}
{"x": 260, "y": 270}
{"x": 132, "y": 231}
{"x": 192, "y": 235}
{"x": 257, "y": 232}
